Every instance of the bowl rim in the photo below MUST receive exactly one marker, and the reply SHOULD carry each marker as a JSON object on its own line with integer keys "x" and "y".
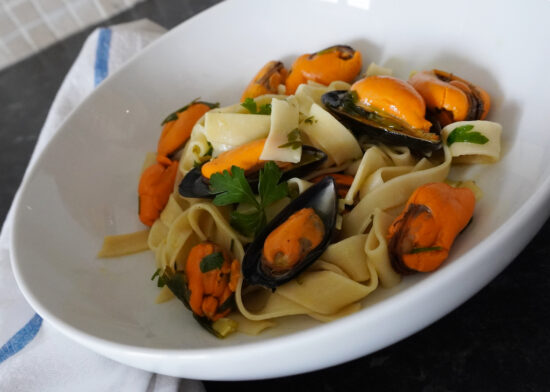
{"x": 535, "y": 209}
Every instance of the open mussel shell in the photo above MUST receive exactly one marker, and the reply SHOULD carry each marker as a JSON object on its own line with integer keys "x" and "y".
{"x": 196, "y": 186}
{"x": 377, "y": 128}
{"x": 323, "y": 199}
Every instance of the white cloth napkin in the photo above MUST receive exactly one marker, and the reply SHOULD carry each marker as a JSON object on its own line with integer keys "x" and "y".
{"x": 33, "y": 355}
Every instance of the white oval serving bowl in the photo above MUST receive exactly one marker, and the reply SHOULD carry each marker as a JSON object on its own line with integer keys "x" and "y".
{"x": 83, "y": 186}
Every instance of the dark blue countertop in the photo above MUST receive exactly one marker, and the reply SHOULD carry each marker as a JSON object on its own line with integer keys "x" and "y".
{"x": 499, "y": 340}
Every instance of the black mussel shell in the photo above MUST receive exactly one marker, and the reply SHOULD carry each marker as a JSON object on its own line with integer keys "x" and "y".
{"x": 196, "y": 186}
{"x": 377, "y": 128}
{"x": 323, "y": 199}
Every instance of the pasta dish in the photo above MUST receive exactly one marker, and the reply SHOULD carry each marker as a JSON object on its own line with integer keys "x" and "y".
{"x": 323, "y": 184}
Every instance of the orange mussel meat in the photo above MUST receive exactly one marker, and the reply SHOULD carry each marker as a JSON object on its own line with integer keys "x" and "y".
{"x": 392, "y": 97}
{"x": 177, "y": 130}
{"x": 338, "y": 62}
{"x": 211, "y": 281}
{"x": 157, "y": 181}
{"x": 293, "y": 239}
{"x": 247, "y": 157}
{"x": 266, "y": 81}
{"x": 289, "y": 243}
{"x": 385, "y": 109}
{"x": 451, "y": 98}
{"x": 155, "y": 186}
{"x": 420, "y": 238}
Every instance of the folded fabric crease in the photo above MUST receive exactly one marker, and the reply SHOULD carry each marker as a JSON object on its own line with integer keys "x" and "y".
{"x": 34, "y": 355}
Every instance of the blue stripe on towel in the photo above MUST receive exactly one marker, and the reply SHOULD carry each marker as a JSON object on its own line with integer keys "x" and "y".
{"x": 21, "y": 338}
{"x": 101, "y": 67}
{"x": 29, "y": 331}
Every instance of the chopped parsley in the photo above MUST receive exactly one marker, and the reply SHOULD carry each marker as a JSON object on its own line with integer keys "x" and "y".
{"x": 251, "y": 105}
{"x": 465, "y": 134}
{"x": 160, "y": 280}
{"x": 211, "y": 262}
{"x": 294, "y": 141}
{"x": 205, "y": 157}
{"x": 232, "y": 187}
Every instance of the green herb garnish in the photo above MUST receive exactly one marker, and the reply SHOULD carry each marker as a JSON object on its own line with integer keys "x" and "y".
{"x": 464, "y": 134}
{"x": 232, "y": 187}
{"x": 310, "y": 120}
{"x": 265, "y": 109}
{"x": 269, "y": 188}
{"x": 160, "y": 280}
{"x": 210, "y": 149}
{"x": 211, "y": 262}
{"x": 428, "y": 249}
{"x": 249, "y": 224}
{"x": 206, "y": 157}
{"x": 250, "y": 105}
{"x": 293, "y": 138}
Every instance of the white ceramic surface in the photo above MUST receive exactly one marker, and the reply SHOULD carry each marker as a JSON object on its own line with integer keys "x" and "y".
{"x": 83, "y": 186}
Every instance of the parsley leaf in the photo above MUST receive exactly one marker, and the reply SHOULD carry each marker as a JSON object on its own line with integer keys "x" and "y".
{"x": 310, "y": 120}
{"x": 464, "y": 134}
{"x": 206, "y": 157}
{"x": 428, "y": 249}
{"x": 269, "y": 188}
{"x": 248, "y": 224}
{"x": 293, "y": 135}
{"x": 250, "y": 105}
{"x": 293, "y": 145}
{"x": 211, "y": 262}
{"x": 232, "y": 187}
{"x": 210, "y": 149}
{"x": 293, "y": 138}
{"x": 265, "y": 109}
{"x": 160, "y": 280}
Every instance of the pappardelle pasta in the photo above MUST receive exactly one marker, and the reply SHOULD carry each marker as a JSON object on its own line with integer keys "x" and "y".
{"x": 319, "y": 187}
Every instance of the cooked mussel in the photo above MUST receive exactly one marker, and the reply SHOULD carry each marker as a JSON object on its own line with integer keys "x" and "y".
{"x": 385, "y": 109}
{"x": 450, "y": 98}
{"x": 339, "y": 62}
{"x": 294, "y": 239}
{"x": 196, "y": 183}
{"x": 266, "y": 81}
{"x": 342, "y": 181}
{"x": 420, "y": 238}
{"x": 206, "y": 284}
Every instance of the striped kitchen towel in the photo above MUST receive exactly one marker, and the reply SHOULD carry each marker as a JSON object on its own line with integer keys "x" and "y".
{"x": 33, "y": 355}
